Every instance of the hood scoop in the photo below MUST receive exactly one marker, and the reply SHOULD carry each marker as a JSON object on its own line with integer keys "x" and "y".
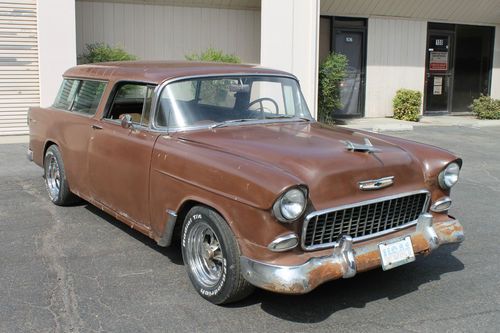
{"x": 367, "y": 147}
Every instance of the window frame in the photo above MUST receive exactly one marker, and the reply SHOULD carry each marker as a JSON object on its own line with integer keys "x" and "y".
{"x": 160, "y": 88}
{"x": 80, "y": 79}
{"x": 112, "y": 95}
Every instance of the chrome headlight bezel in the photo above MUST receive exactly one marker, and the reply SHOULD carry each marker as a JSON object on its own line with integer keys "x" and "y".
{"x": 449, "y": 176}
{"x": 291, "y": 194}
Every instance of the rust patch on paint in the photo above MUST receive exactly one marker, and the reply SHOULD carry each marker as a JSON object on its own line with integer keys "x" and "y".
{"x": 368, "y": 261}
{"x": 295, "y": 288}
{"x": 324, "y": 273}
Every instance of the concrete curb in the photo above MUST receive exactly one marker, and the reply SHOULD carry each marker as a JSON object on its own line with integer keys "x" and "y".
{"x": 382, "y": 127}
{"x": 10, "y": 139}
{"x": 393, "y": 125}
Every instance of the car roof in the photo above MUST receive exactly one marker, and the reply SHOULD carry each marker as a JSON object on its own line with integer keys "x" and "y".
{"x": 156, "y": 72}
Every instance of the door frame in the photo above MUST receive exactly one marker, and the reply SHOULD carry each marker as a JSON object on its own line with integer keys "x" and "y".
{"x": 337, "y": 23}
{"x": 451, "y": 32}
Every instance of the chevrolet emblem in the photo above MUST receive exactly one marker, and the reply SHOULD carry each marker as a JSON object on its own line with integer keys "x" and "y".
{"x": 376, "y": 184}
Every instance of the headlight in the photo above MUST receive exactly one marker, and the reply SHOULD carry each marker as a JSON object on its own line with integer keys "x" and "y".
{"x": 290, "y": 205}
{"x": 449, "y": 176}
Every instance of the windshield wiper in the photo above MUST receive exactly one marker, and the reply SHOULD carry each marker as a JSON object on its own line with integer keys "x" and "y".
{"x": 288, "y": 117}
{"x": 229, "y": 122}
{"x": 236, "y": 121}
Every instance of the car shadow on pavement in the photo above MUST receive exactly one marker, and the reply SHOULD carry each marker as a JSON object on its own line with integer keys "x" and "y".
{"x": 358, "y": 291}
{"x": 333, "y": 296}
{"x": 172, "y": 252}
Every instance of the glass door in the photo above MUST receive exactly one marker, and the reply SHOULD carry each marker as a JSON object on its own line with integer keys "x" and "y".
{"x": 439, "y": 72}
{"x": 351, "y": 44}
{"x": 473, "y": 63}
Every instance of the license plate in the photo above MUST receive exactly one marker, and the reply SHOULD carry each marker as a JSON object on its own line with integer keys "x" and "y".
{"x": 397, "y": 253}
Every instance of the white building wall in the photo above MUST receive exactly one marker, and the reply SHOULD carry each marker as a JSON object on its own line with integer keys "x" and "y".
{"x": 56, "y": 45}
{"x": 495, "y": 78}
{"x": 395, "y": 59}
{"x": 161, "y": 32}
{"x": 289, "y": 41}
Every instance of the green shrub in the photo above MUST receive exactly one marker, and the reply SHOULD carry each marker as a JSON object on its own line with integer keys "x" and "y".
{"x": 331, "y": 73}
{"x": 406, "y": 104}
{"x": 213, "y": 55}
{"x": 101, "y": 52}
{"x": 486, "y": 107}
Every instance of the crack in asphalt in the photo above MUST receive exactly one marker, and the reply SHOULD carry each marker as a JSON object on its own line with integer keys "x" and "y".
{"x": 63, "y": 298}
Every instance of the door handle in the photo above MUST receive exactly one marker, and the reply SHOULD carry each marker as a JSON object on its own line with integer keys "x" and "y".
{"x": 96, "y": 127}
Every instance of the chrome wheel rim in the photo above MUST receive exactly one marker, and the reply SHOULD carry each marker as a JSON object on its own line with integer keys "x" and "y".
{"x": 204, "y": 255}
{"x": 53, "y": 177}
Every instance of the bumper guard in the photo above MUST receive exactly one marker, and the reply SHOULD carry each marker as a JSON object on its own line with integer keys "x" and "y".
{"x": 345, "y": 261}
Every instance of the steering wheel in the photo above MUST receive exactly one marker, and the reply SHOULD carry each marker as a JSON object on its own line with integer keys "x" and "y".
{"x": 262, "y": 107}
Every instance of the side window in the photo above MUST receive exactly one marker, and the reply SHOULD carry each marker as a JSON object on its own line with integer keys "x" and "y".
{"x": 133, "y": 99}
{"x": 88, "y": 97}
{"x": 147, "y": 106}
{"x": 66, "y": 94}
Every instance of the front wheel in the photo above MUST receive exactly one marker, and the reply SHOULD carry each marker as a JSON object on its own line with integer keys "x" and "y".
{"x": 212, "y": 257}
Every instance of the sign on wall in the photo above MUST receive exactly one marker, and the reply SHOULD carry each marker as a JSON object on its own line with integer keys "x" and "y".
{"x": 438, "y": 85}
{"x": 438, "y": 61}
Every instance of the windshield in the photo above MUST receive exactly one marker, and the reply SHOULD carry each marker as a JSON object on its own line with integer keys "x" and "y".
{"x": 220, "y": 101}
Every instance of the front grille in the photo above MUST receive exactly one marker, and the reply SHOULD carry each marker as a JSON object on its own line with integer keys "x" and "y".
{"x": 362, "y": 220}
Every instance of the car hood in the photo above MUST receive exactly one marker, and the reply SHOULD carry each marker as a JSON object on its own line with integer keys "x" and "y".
{"x": 317, "y": 156}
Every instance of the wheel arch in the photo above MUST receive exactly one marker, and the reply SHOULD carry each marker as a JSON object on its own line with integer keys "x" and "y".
{"x": 48, "y": 143}
{"x": 184, "y": 209}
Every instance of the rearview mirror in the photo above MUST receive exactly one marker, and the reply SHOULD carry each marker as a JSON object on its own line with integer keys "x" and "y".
{"x": 126, "y": 121}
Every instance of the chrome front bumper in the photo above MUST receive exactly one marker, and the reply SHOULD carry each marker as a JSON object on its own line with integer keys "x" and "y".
{"x": 345, "y": 261}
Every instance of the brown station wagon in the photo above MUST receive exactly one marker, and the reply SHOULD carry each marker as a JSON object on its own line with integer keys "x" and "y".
{"x": 227, "y": 161}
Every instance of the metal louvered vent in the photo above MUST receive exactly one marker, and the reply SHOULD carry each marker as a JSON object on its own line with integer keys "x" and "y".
{"x": 19, "y": 87}
{"x": 362, "y": 220}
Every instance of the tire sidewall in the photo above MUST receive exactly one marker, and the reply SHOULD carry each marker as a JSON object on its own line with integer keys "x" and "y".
{"x": 222, "y": 289}
{"x": 53, "y": 151}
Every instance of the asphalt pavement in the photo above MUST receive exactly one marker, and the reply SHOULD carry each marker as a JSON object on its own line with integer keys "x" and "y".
{"x": 76, "y": 269}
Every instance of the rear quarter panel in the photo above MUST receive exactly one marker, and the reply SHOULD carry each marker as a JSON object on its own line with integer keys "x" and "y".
{"x": 70, "y": 132}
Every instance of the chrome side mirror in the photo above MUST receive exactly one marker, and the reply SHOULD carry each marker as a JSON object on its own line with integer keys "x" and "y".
{"x": 126, "y": 121}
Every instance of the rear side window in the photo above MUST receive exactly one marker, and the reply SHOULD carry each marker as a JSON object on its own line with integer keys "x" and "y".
{"x": 66, "y": 94}
{"x": 88, "y": 97}
{"x": 82, "y": 96}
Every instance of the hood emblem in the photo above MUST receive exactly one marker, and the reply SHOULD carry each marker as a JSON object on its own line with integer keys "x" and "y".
{"x": 366, "y": 147}
{"x": 376, "y": 184}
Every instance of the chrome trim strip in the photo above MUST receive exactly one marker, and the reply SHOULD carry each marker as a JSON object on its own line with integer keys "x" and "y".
{"x": 376, "y": 184}
{"x": 361, "y": 203}
{"x": 166, "y": 238}
{"x": 281, "y": 239}
{"x": 439, "y": 202}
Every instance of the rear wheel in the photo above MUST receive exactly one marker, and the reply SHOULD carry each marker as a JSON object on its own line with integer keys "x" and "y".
{"x": 55, "y": 178}
{"x": 212, "y": 257}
